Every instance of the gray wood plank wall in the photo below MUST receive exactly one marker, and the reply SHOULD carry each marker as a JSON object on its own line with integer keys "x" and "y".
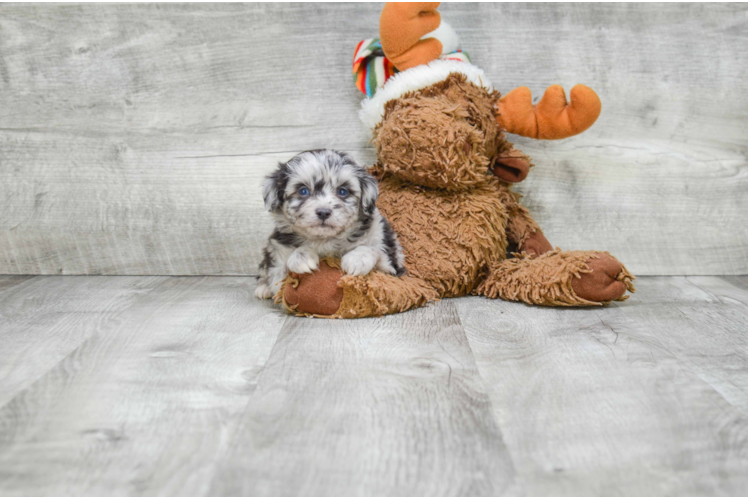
{"x": 133, "y": 137}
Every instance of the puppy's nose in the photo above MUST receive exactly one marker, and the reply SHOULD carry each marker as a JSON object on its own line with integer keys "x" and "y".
{"x": 324, "y": 213}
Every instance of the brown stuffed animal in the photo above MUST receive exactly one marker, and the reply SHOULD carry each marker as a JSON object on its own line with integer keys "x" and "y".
{"x": 445, "y": 168}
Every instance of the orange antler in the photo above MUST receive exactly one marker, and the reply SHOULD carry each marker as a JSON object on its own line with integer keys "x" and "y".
{"x": 401, "y": 27}
{"x": 553, "y": 117}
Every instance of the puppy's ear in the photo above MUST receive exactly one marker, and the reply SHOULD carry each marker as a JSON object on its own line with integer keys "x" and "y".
{"x": 369, "y": 193}
{"x": 274, "y": 187}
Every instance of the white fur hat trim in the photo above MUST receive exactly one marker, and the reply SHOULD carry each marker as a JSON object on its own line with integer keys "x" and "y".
{"x": 415, "y": 78}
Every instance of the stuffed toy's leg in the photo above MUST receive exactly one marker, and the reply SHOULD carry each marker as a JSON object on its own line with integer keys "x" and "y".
{"x": 559, "y": 278}
{"x": 327, "y": 293}
{"x": 543, "y": 276}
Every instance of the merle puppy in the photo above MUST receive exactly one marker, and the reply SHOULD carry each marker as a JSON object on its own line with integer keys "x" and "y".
{"x": 324, "y": 204}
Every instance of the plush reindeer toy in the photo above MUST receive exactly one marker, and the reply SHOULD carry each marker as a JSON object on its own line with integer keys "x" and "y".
{"x": 445, "y": 168}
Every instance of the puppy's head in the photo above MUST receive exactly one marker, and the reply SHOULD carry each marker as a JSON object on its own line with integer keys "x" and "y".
{"x": 321, "y": 193}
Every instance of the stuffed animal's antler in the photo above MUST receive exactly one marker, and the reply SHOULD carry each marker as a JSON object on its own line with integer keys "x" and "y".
{"x": 401, "y": 27}
{"x": 553, "y": 117}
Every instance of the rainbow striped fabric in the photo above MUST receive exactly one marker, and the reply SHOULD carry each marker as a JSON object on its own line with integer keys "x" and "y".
{"x": 371, "y": 69}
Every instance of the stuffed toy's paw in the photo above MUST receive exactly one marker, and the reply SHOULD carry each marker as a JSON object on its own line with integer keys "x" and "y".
{"x": 316, "y": 293}
{"x": 608, "y": 280}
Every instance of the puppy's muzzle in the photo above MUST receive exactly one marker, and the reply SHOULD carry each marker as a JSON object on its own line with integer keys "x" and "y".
{"x": 323, "y": 213}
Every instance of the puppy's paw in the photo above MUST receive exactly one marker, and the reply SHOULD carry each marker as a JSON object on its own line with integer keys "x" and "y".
{"x": 303, "y": 261}
{"x": 263, "y": 291}
{"x": 358, "y": 262}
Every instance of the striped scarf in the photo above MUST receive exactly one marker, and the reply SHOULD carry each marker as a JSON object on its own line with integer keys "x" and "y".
{"x": 371, "y": 69}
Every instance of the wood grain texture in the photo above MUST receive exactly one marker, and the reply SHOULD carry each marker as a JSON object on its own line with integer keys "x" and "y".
{"x": 133, "y": 137}
{"x": 7, "y": 282}
{"x": 146, "y": 405}
{"x": 191, "y": 386}
{"x": 44, "y": 319}
{"x": 374, "y": 407}
{"x": 648, "y": 397}
{"x": 738, "y": 281}
{"x": 706, "y": 327}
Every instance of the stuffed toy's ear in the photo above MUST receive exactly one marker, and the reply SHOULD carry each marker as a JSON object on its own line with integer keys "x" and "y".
{"x": 511, "y": 166}
{"x": 553, "y": 117}
{"x": 274, "y": 187}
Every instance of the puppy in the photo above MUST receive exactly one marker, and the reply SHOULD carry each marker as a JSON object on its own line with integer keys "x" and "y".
{"x": 324, "y": 204}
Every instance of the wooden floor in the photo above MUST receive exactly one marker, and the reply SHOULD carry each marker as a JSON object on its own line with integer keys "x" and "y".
{"x": 191, "y": 386}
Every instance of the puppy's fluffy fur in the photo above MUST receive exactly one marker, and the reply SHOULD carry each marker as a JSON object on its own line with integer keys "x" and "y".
{"x": 324, "y": 204}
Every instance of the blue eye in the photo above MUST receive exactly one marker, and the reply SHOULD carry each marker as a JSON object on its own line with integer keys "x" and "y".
{"x": 342, "y": 192}
{"x": 304, "y": 191}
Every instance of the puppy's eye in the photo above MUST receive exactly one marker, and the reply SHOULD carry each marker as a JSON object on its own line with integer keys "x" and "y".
{"x": 342, "y": 192}
{"x": 304, "y": 191}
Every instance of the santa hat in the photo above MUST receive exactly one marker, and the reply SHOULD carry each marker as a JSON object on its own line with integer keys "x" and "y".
{"x": 416, "y": 49}
{"x": 429, "y": 60}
